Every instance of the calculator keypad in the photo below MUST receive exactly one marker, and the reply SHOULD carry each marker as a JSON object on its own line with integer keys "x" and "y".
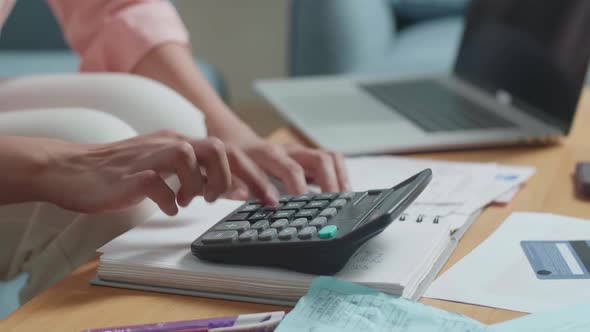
{"x": 296, "y": 218}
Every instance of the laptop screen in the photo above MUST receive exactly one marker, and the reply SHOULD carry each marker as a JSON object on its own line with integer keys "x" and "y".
{"x": 536, "y": 51}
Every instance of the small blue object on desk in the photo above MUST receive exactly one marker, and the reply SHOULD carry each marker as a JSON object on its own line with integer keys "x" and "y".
{"x": 553, "y": 260}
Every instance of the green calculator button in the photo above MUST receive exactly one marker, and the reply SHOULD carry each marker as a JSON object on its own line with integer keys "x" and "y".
{"x": 328, "y": 232}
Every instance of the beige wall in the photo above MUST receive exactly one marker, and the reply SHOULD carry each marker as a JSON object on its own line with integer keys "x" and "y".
{"x": 246, "y": 39}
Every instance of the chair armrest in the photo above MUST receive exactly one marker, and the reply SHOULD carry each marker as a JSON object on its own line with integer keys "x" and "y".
{"x": 338, "y": 36}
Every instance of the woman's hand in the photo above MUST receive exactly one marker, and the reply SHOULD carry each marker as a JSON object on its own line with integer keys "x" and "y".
{"x": 293, "y": 164}
{"x": 97, "y": 178}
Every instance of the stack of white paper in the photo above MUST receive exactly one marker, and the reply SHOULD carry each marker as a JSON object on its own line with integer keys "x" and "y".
{"x": 456, "y": 187}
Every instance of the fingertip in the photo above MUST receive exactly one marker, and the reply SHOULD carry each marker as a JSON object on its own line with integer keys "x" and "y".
{"x": 210, "y": 197}
{"x": 185, "y": 202}
{"x": 242, "y": 194}
{"x": 301, "y": 190}
{"x": 181, "y": 199}
{"x": 172, "y": 210}
{"x": 271, "y": 196}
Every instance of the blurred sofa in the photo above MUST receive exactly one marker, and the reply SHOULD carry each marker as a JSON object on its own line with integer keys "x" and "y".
{"x": 398, "y": 37}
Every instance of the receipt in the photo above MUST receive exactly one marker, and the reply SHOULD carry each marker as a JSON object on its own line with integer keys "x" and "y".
{"x": 335, "y": 305}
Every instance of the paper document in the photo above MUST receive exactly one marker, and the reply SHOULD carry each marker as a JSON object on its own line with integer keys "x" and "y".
{"x": 507, "y": 197}
{"x": 456, "y": 187}
{"x": 498, "y": 274}
{"x": 452, "y": 182}
{"x": 335, "y": 305}
{"x": 567, "y": 319}
{"x": 504, "y": 179}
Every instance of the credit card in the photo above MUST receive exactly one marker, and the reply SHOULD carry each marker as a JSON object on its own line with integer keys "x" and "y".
{"x": 552, "y": 260}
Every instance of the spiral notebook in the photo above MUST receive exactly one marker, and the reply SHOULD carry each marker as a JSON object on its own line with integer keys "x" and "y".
{"x": 155, "y": 256}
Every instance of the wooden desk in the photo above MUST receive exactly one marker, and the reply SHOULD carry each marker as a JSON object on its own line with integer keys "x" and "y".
{"x": 73, "y": 304}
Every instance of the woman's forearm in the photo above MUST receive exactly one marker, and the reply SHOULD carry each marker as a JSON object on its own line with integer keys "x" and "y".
{"x": 173, "y": 65}
{"x": 22, "y": 161}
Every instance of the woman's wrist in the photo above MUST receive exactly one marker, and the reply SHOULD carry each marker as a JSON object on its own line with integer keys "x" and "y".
{"x": 174, "y": 66}
{"x": 25, "y": 161}
{"x": 232, "y": 131}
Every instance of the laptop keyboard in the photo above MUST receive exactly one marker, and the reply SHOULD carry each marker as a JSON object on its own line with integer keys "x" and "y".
{"x": 434, "y": 107}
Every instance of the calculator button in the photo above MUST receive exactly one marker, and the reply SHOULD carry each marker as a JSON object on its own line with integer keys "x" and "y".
{"x": 305, "y": 197}
{"x": 287, "y": 233}
{"x": 328, "y": 232}
{"x": 220, "y": 237}
{"x": 260, "y": 225}
{"x": 272, "y": 208}
{"x": 283, "y": 214}
{"x": 285, "y": 198}
{"x": 307, "y": 233}
{"x": 308, "y": 213}
{"x": 267, "y": 235}
{"x": 373, "y": 192}
{"x": 338, "y": 203}
{"x": 347, "y": 196}
{"x": 238, "y": 217}
{"x": 328, "y": 196}
{"x": 319, "y": 222}
{"x": 294, "y": 205}
{"x": 250, "y": 208}
{"x": 260, "y": 215}
{"x": 239, "y": 226}
{"x": 249, "y": 235}
{"x": 280, "y": 224}
{"x": 329, "y": 212}
{"x": 317, "y": 204}
{"x": 299, "y": 223}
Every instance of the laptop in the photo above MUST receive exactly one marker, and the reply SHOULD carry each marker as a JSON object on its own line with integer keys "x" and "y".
{"x": 517, "y": 79}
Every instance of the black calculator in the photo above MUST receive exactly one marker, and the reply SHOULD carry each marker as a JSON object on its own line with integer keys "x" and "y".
{"x": 311, "y": 233}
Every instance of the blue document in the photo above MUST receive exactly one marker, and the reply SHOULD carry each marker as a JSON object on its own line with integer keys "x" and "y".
{"x": 335, "y": 305}
{"x": 558, "y": 259}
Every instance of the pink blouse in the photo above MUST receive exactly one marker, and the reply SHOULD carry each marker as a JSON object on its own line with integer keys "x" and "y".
{"x": 113, "y": 35}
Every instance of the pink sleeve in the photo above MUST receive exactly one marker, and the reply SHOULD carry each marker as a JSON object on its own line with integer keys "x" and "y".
{"x": 114, "y": 35}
